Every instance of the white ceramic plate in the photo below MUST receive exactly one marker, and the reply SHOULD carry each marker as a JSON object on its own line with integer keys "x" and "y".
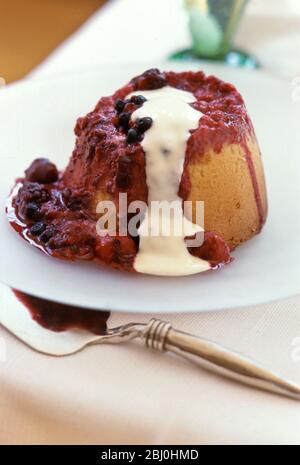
{"x": 37, "y": 119}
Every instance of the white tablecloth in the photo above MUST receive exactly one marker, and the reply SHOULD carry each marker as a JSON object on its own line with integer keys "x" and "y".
{"x": 125, "y": 394}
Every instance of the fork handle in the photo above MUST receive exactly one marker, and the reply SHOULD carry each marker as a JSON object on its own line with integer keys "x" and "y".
{"x": 160, "y": 335}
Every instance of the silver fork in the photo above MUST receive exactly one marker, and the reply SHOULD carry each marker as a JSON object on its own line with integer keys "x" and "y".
{"x": 159, "y": 335}
{"x": 156, "y": 334}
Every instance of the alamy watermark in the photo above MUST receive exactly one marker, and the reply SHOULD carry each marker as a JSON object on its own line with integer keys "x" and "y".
{"x": 159, "y": 218}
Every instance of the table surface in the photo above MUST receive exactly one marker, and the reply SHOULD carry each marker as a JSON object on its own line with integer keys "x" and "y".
{"x": 30, "y": 30}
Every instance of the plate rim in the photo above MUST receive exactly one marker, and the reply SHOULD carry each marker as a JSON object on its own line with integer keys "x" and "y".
{"x": 53, "y": 78}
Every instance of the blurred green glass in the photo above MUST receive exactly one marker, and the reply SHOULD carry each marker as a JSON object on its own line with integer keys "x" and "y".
{"x": 212, "y": 25}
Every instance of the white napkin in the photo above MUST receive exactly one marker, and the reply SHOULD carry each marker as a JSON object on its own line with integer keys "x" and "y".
{"x": 129, "y": 395}
{"x": 114, "y": 394}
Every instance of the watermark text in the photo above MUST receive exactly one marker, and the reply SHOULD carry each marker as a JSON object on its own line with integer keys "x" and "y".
{"x": 159, "y": 218}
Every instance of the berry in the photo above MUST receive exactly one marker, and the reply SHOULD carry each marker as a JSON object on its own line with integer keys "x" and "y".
{"x": 143, "y": 124}
{"x": 31, "y": 210}
{"x": 150, "y": 79}
{"x": 119, "y": 105}
{"x": 124, "y": 119}
{"x": 42, "y": 171}
{"x": 37, "y": 229}
{"x": 132, "y": 136}
{"x": 138, "y": 99}
{"x": 47, "y": 234}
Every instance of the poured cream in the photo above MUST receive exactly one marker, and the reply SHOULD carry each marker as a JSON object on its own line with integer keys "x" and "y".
{"x": 165, "y": 145}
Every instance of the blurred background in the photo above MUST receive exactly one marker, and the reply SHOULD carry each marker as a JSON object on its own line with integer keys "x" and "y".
{"x": 31, "y": 29}
{"x": 265, "y": 31}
